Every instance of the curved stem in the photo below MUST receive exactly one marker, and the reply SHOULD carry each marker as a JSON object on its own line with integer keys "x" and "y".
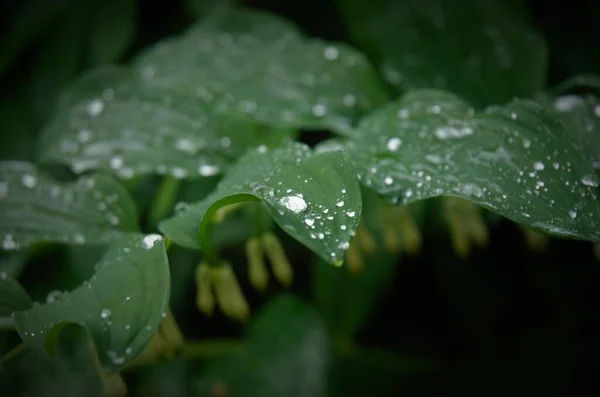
{"x": 164, "y": 200}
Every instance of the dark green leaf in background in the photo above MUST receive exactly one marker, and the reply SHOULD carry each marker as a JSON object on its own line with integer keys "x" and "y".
{"x": 35, "y": 208}
{"x": 287, "y": 354}
{"x": 121, "y": 306}
{"x": 515, "y": 159}
{"x": 313, "y": 197}
{"x": 59, "y": 59}
{"x": 579, "y": 112}
{"x": 263, "y": 66}
{"x": 483, "y": 50}
{"x": 12, "y": 296}
{"x": 113, "y": 30}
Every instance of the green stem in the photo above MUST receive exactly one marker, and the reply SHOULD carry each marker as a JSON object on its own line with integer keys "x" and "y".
{"x": 7, "y": 323}
{"x": 164, "y": 200}
{"x": 14, "y": 353}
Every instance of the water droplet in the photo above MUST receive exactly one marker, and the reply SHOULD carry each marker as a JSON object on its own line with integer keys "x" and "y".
{"x": 116, "y": 162}
{"x": 319, "y": 110}
{"x": 538, "y": 166}
{"x": 309, "y": 221}
{"x": 344, "y": 245}
{"x": 351, "y": 214}
{"x": 591, "y": 180}
{"x": 29, "y": 181}
{"x": 295, "y": 204}
{"x": 573, "y": 214}
{"x": 597, "y": 110}
{"x": 84, "y": 135}
{"x": 95, "y": 107}
{"x": 79, "y": 238}
{"x": 526, "y": 143}
{"x": 151, "y": 239}
{"x": 105, "y": 313}
{"x": 393, "y": 144}
{"x": 186, "y": 145}
{"x": 349, "y": 100}
{"x": 566, "y": 102}
{"x": 339, "y": 204}
{"x": 433, "y": 158}
{"x": 343, "y": 227}
{"x": 388, "y": 180}
{"x": 331, "y": 53}
{"x": 179, "y": 173}
{"x": 208, "y": 170}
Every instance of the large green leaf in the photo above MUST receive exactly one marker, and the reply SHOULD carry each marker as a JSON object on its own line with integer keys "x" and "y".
{"x": 12, "y": 296}
{"x": 483, "y": 50}
{"x": 35, "y": 208}
{"x": 287, "y": 354}
{"x": 113, "y": 30}
{"x": 107, "y": 120}
{"x": 314, "y": 197}
{"x": 121, "y": 306}
{"x": 579, "y": 111}
{"x": 516, "y": 160}
{"x": 262, "y": 65}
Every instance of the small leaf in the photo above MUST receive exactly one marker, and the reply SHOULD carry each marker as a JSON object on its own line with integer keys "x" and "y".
{"x": 516, "y": 160}
{"x": 12, "y": 296}
{"x": 483, "y": 50}
{"x": 287, "y": 354}
{"x": 121, "y": 306}
{"x": 314, "y": 197}
{"x": 260, "y": 64}
{"x": 113, "y": 30}
{"x": 35, "y": 208}
{"x": 109, "y": 121}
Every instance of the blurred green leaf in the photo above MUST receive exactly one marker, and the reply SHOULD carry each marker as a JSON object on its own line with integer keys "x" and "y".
{"x": 258, "y": 63}
{"x": 35, "y": 208}
{"x": 287, "y": 354}
{"x": 71, "y": 373}
{"x": 109, "y": 121}
{"x": 113, "y": 30}
{"x": 578, "y": 111}
{"x": 483, "y": 50}
{"x": 121, "y": 306}
{"x": 313, "y": 197}
{"x": 17, "y": 126}
{"x": 59, "y": 59}
{"x": 515, "y": 159}
{"x": 12, "y": 296}
{"x": 28, "y": 23}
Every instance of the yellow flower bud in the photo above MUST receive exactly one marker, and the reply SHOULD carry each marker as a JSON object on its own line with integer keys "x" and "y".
{"x": 282, "y": 270}
{"x": 354, "y": 260}
{"x": 230, "y": 297}
{"x": 465, "y": 223}
{"x": 205, "y": 300}
{"x": 365, "y": 240}
{"x": 536, "y": 241}
{"x": 223, "y": 212}
{"x": 409, "y": 232}
{"x": 257, "y": 270}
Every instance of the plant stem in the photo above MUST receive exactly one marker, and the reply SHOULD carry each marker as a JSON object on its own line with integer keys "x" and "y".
{"x": 12, "y": 354}
{"x": 164, "y": 200}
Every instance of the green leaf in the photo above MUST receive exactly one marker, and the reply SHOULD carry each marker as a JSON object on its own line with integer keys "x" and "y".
{"x": 260, "y": 64}
{"x": 58, "y": 60}
{"x": 580, "y": 112}
{"x": 287, "y": 354}
{"x": 121, "y": 306}
{"x": 515, "y": 159}
{"x": 110, "y": 121}
{"x": 315, "y": 198}
{"x": 35, "y": 208}
{"x": 71, "y": 372}
{"x": 483, "y": 50}
{"x": 12, "y": 296}
{"x": 26, "y": 25}
{"x": 113, "y": 30}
